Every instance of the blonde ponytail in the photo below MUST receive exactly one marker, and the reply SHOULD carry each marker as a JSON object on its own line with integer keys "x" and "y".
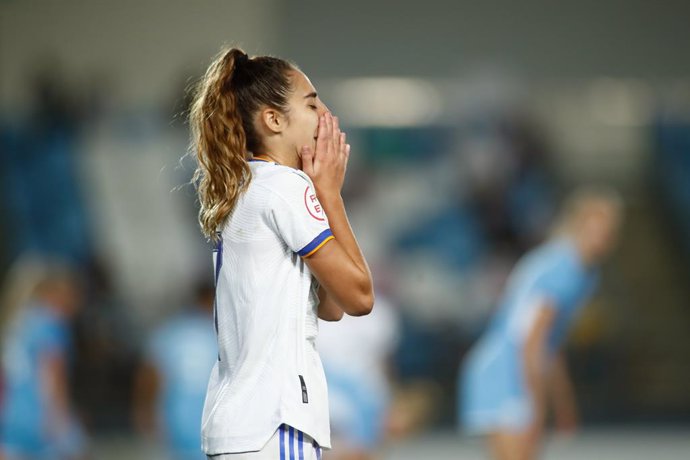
{"x": 221, "y": 117}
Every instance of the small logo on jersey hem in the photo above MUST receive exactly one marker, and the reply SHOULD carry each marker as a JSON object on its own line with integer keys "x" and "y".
{"x": 311, "y": 202}
{"x": 305, "y": 396}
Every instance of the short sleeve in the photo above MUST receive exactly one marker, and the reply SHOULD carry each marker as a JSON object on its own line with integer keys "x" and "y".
{"x": 556, "y": 284}
{"x": 297, "y": 214}
{"x": 53, "y": 337}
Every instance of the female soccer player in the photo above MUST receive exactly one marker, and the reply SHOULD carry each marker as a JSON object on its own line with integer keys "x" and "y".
{"x": 271, "y": 164}
{"x": 37, "y": 417}
{"x": 515, "y": 372}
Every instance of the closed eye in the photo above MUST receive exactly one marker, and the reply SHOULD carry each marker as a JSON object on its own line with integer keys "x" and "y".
{"x": 313, "y": 107}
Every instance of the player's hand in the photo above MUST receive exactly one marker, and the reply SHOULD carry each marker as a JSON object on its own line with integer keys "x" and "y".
{"x": 327, "y": 163}
{"x": 566, "y": 419}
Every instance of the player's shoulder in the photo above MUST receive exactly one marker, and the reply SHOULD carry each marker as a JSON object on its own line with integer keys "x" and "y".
{"x": 556, "y": 253}
{"x": 45, "y": 328}
{"x": 556, "y": 265}
{"x": 44, "y": 319}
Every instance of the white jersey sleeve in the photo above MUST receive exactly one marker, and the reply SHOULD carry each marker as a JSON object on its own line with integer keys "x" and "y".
{"x": 296, "y": 214}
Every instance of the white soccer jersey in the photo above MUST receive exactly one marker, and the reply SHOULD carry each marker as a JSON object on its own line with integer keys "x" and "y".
{"x": 268, "y": 372}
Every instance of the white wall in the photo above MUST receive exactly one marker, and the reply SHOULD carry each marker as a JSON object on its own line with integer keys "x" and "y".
{"x": 442, "y": 38}
{"x": 141, "y": 47}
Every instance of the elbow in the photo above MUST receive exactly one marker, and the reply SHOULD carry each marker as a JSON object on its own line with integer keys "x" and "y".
{"x": 333, "y": 315}
{"x": 362, "y": 305}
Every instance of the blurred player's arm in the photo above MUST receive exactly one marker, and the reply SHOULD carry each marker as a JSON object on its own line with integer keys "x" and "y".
{"x": 55, "y": 392}
{"x": 535, "y": 358}
{"x": 328, "y": 309}
{"x": 562, "y": 395}
{"x": 146, "y": 387}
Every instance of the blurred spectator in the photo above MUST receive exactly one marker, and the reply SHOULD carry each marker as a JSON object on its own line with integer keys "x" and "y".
{"x": 356, "y": 354}
{"x": 40, "y": 182}
{"x": 170, "y": 386}
{"x": 505, "y": 161}
{"x": 106, "y": 338}
{"x": 516, "y": 372}
{"x": 37, "y": 419}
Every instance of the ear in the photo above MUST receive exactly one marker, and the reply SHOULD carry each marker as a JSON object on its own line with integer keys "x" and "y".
{"x": 273, "y": 120}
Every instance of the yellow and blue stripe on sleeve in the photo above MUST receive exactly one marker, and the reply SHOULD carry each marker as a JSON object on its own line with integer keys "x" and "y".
{"x": 317, "y": 243}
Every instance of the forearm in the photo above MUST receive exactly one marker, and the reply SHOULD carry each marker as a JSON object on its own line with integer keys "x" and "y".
{"x": 562, "y": 392}
{"x": 535, "y": 377}
{"x": 537, "y": 387}
{"x": 561, "y": 386}
{"x": 535, "y": 360}
{"x": 329, "y": 310}
{"x": 340, "y": 266}
{"x": 55, "y": 393}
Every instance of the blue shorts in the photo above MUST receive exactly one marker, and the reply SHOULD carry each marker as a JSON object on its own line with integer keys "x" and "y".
{"x": 492, "y": 394}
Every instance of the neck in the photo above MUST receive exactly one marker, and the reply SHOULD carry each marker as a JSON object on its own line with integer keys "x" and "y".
{"x": 588, "y": 259}
{"x": 281, "y": 156}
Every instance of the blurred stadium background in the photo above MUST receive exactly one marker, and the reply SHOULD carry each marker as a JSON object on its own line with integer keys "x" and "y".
{"x": 469, "y": 122}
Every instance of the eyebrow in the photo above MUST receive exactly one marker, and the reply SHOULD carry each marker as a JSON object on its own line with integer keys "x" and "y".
{"x": 312, "y": 94}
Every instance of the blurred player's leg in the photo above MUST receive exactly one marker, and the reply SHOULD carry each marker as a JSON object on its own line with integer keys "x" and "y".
{"x": 506, "y": 445}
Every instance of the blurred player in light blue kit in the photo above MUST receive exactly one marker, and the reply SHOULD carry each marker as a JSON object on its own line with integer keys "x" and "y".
{"x": 171, "y": 383}
{"x": 36, "y": 417}
{"x": 515, "y": 373}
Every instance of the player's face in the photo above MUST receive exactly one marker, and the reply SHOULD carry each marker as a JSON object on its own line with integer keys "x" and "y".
{"x": 68, "y": 297}
{"x": 305, "y": 108}
{"x": 601, "y": 230}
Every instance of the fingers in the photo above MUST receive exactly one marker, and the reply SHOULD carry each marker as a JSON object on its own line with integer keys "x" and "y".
{"x": 326, "y": 164}
{"x": 329, "y": 125}
{"x": 342, "y": 142}
{"x": 307, "y": 160}
{"x": 335, "y": 136}
{"x": 328, "y": 135}
{"x": 321, "y": 137}
{"x": 331, "y": 142}
{"x": 336, "y": 131}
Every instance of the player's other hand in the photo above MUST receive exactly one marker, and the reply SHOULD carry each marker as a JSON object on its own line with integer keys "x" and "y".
{"x": 327, "y": 163}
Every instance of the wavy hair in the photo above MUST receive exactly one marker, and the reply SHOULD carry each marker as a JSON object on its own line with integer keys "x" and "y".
{"x": 226, "y": 101}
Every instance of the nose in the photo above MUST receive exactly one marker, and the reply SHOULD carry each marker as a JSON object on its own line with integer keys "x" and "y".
{"x": 322, "y": 109}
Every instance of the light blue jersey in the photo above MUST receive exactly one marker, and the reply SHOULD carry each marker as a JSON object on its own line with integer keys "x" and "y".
{"x": 493, "y": 393}
{"x": 37, "y": 333}
{"x": 183, "y": 351}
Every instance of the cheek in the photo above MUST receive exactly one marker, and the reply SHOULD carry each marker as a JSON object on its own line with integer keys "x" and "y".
{"x": 306, "y": 125}
{"x": 313, "y": 119}
{"x": 311, "y": 123}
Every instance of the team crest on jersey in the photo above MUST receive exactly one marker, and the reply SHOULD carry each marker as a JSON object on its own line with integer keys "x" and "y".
{"x": 312, "y": 203}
